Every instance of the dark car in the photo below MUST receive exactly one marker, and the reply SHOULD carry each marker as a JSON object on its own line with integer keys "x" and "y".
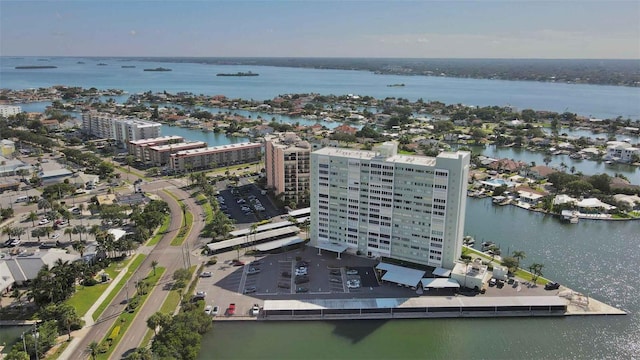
{"x": 284, "y": 285}
{"x": 301, "y": 279}
{"x": 552, "y": 286}
{"x": 286, "y": 274}
{"x": 237, "y": 263}
{"x": 335, "y": 272}
{"x": 301, "y": 289}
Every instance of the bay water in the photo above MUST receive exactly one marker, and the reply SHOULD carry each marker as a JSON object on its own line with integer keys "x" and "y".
{"x": 597, "y": 258}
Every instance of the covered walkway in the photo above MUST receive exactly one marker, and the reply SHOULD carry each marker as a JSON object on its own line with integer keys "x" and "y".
{"x": 330, "y": 246}
{"x": 400, "y": 275}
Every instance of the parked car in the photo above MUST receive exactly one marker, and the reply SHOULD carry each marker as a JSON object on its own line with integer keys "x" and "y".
{"x": 201, "y": 294}
{"x": 552, "y": 286}
{"x": 335, "y": 280}
{"x": 301, "y": 279}
{"x": 493, "y": 282}
{"x": 252, "y": 271}
{"x": 353, "y": 284}
{"x": 284, "y": 285}
{"x": 55, "y": 236}
{"x": 302, "y": 271}
{"x": 215, "y": 311}
{"x": 255, "y": 310}
{"x": 286, "y": 274}
{"x": 301, "y": 289}
{"x": 335, "y": 272}
{"x": 231, "y": 309}
{"x": 237, "y": 263}
{"x": 208, "y": 309}
{"x": 352, "y": 272}
{"x": 250, "y": 289}
{"x": 43, "y": 221}
{"x": 206, "y": 274}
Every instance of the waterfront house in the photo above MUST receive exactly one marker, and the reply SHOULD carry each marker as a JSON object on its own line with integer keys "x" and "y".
{"x": 621, "y": 151}
{"x": 506, "y": 165}
{"x": 593, "y": 205}
{"x": 633, "y": 201}
{"x": 563, "y": 199}
{"x": 540, "y": 172}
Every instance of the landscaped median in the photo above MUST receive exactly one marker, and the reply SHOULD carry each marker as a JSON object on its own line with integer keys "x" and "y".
{"x": 187, "y": 222}
{"x": 521, "y": 273}
{"x": 119, "y": 328}
{"x": 166, "y": 221}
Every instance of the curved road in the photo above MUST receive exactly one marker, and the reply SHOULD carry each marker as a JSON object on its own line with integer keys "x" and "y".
{"x": 169, "y": 257}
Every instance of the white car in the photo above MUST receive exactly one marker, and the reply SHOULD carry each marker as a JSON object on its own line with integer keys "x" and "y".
{"x": 43, "y": 221}
{"x": 208, "y": 310}
{"x": 215, "y": 311}
{"x": 55, "y": 236}
{"x": 255, "y": 310}
{"x": 301, "y": 272}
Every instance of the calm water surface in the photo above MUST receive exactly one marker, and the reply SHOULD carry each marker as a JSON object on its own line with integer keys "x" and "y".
{"x": 588, "y": 100}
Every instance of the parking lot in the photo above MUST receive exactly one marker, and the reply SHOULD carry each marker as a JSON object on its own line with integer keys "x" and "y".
{"x": 246, "y": 205}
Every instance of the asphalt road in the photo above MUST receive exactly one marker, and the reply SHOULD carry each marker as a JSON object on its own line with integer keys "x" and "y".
{"x": 167, "y": 256}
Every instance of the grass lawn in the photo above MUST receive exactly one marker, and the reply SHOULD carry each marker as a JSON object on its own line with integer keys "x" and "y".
{"x": 168, "y": 307}
{"x": 86, "y": 296}
{"x": 206, "y": 206}
{"x": 125, "y": 319}
{"x": 405, "y": 152}
{"x": 163, "y": 228}
{"x": 184, "y": 232}
{"x": 521, "y": 273}
{"x": 133, "y": 265}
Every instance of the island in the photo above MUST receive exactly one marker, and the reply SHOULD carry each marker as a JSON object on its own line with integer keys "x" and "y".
{"x": 249, "y": 73}
{"x": 31, "y": 67}
{"x": 158, "y": 69}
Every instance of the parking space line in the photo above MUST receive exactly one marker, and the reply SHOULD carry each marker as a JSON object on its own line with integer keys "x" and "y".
{"x": 243, "y": 280}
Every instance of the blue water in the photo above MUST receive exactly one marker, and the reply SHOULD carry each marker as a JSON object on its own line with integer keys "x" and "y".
{"x": 588, "y": 100}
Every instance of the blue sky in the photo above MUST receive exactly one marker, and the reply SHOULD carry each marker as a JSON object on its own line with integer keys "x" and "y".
{"x": 422, "y": 29}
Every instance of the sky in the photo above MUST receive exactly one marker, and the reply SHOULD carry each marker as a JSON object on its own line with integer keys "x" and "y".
{"x": 416, "y": 29}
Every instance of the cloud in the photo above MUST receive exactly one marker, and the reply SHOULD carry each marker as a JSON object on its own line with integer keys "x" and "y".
{"x": 132, "y": 33}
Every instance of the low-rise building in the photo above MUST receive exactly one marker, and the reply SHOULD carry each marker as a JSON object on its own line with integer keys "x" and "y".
{"x": 159, "y": 154}
{"x": 621, "y": 151}
{"x": 217, "y": 156}
{"x": 138, "y": 148}
{"x": 473, "y": 275}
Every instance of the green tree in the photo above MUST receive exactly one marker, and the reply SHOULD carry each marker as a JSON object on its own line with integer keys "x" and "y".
{"x": 154, "y": 263}
{"x": 519, "y": 255}
{"x": 536, "y": 270}
{"x": 33, "y": 217}
{"x": 510, "y": 262}
{"x": 93, "y": 349}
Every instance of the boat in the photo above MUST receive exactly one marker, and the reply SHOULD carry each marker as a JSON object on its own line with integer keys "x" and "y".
{"x": 80, "y": 62}
{"x": 395, "y": 85}
{"x": 239, "y": 73}
{"x": 31, "y": 67}
{"x": 468, "y": 240}
{"x": 102, "y": 64}
{"x": 158, "y": 69}
{"x": 486, "y": 245}
{"x": 128, "y": 66}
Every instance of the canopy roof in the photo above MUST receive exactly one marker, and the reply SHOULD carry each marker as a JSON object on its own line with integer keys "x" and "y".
{"x": 400, "y": 275}
{"x": 439, "y": 283}
{"x": 329, "y": 246}
{"x": 441, "y": 272}
{"x": 279, "y": 243}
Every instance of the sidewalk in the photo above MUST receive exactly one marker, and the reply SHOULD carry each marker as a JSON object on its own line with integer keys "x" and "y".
{"x": 88, "y": 317}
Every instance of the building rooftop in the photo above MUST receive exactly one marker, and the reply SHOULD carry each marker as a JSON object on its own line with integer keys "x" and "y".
{"x": 215, "y": 149}
{"x": 154, "y": 140}
{"x": 177, "y": 146}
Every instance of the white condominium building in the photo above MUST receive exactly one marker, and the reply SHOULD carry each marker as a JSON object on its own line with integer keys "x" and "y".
{"x": 287, "y": 165}
{"x": 122, "y": 129}
{"x": 8, "y": 110}
{"x": 382, "y": 204}
{"x": 213, "y": 157}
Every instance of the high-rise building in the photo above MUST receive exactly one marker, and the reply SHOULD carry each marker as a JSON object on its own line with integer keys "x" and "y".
{"x": 382, "y": 204}
{"x": 287, "y": 165}
{"x": 121, "y": 129}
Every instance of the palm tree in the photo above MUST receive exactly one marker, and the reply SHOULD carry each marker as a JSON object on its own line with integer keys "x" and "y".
{"x": 254, "y": 228}
{"x": 536, "y": 271}
{"x": 519, "y": 255}
{"x": 43, "y": 204}
{"x": 154, "y": 263}
{"x": 33, "y": 217}
{"x": 79, "y": 247}
{"x": 93, "y": 349}
{"x": 80, "y": 229}
{"x": 68, "y": 231}
{"x": 66, "y": 317}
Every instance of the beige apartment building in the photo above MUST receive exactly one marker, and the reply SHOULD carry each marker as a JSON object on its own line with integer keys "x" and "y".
{"x": 159, "y": 155}
{"x": 287, "y": 166}
{"x": 213, "y": 157}
{"x": 138, "y": 148}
